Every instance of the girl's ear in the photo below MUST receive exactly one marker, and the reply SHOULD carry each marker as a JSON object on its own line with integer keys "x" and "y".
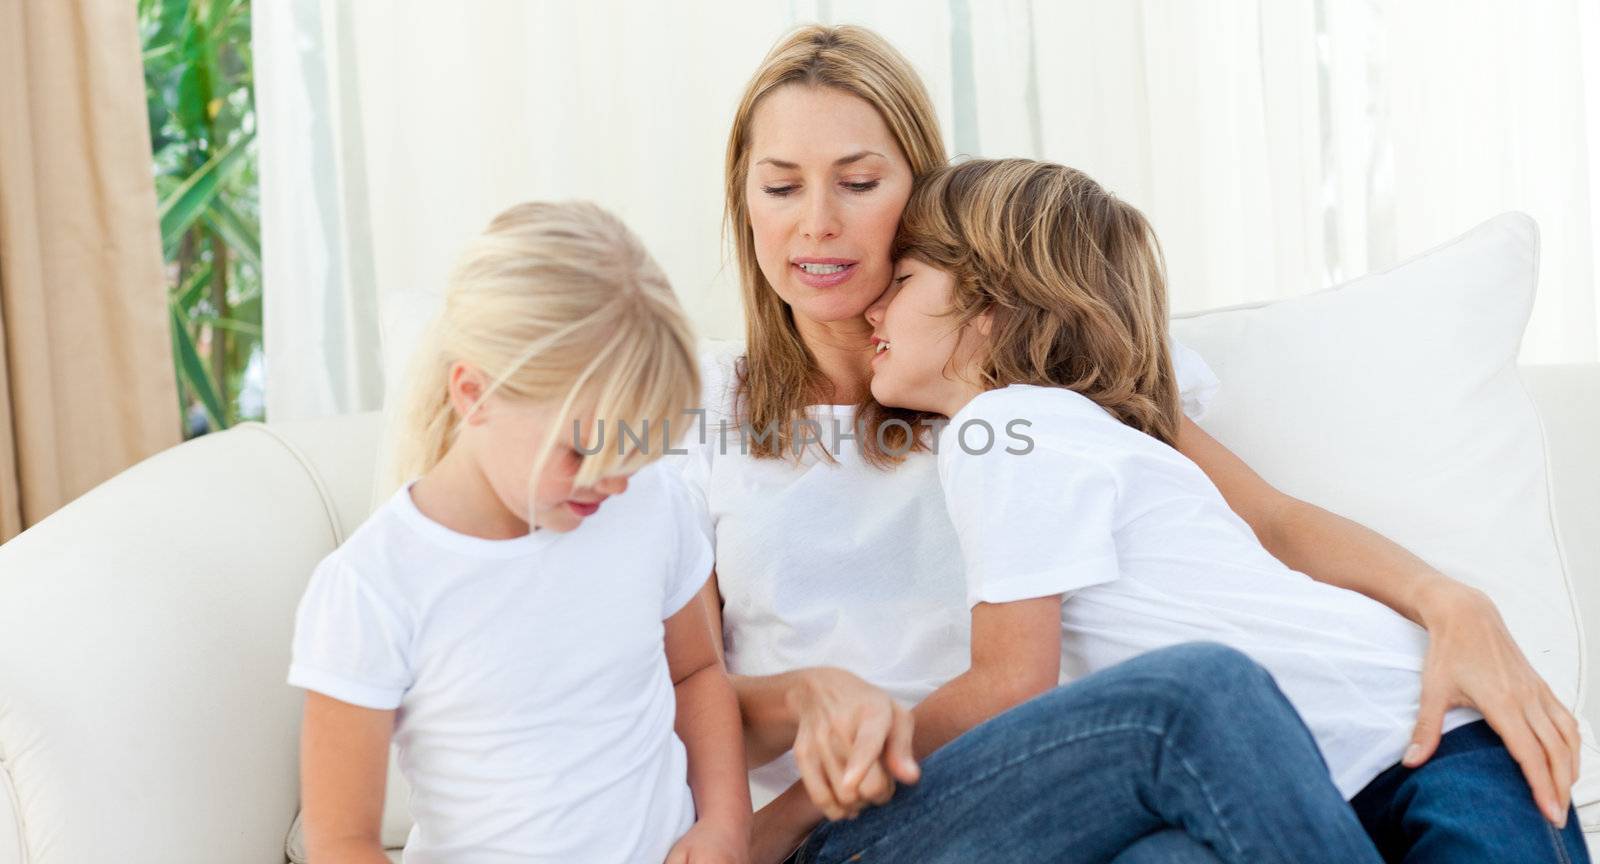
{"x": 467, "y": 387}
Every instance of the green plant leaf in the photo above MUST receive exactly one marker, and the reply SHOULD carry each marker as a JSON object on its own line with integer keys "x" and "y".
{"x": 248, "y": 310}
{"x": 184, "y": 204}
{"x": 190, "y": 291}
{"x": 195, "y": 82}
{"x": 160, "y": 52}
{"x": 232, "y": 324}
{"x": 242, "y": 237}
{"x": 193, "y": 369}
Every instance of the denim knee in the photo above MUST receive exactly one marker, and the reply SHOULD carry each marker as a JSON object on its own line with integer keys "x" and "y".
{"x": 1209, "y": 678}
{"x": 1207, "y": 666}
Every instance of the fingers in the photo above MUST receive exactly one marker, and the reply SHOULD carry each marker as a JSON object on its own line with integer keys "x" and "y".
{"x": 866, "y": 752}
{"x": 877, "y": 787}
{"x": 902, "y": 763}
{"x": 1567, "y": 725}
{"x": 868, "y": 746}
{"x": 1557, "y": 754}
{"x": 808, "y": 758}
{"x": 1523, "y": 744}
{"x": 1430, "y": 724}
{"x": 834, "y": 752}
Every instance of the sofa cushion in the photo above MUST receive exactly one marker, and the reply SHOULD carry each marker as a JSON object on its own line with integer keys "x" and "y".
{"x": 1395, "y": 400}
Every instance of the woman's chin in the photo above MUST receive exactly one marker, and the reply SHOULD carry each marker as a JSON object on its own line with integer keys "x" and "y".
{"x": 831, "y": 306}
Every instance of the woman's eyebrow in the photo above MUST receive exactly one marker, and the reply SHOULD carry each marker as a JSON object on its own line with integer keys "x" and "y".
{"x": 842, "y": 160}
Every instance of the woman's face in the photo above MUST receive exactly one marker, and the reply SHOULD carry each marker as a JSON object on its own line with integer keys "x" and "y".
{"x": 826, "y": 187}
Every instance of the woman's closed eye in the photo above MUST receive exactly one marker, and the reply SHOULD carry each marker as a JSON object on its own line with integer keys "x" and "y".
{"x": 789, "y": 189}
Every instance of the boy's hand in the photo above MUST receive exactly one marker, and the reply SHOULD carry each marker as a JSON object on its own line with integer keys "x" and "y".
{"x": 711, "y": 843}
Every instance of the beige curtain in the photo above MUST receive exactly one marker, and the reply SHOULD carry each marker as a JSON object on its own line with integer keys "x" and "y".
{"x": 86, "y": 376}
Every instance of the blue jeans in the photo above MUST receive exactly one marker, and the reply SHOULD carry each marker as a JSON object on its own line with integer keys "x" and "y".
{"x": 1189, "y": 751}
{"x": 1468, "y": 804}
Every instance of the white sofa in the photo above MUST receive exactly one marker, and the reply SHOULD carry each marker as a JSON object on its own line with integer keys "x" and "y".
{"x": 144, "y": 634}
{"x": 145, "y": 628}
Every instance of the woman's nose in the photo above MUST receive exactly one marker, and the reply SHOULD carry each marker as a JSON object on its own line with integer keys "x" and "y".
{"x": 611, "y": 485}
{"x": 821, "y": 219}
{"x": 875, "y": 311}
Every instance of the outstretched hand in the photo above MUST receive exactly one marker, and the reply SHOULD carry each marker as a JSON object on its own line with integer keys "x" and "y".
{"x": 1473, "y": 661}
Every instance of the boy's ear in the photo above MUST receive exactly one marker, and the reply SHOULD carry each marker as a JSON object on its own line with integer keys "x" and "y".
{"x": 467, "y": 386}
{"x": 984, "y": 322}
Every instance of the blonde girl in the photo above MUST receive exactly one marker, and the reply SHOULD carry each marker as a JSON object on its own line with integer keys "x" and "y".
{"x": 525, "y": 632}
{"x": 1028, "y": 298}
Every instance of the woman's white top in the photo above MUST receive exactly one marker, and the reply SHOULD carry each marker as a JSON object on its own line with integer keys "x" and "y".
{"x": 839, "y": 563}
{"x": 534, "y": 708}
{"x": 1148, "y": 554}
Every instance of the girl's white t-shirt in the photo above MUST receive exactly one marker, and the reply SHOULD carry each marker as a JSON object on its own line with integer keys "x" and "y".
{"x": 1148, "y": 554}
{"x": 535, "y": 708}
{"x": 838, "y": 563}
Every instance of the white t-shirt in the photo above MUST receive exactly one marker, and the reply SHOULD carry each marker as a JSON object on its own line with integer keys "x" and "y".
{"x": 536, "y": 711}
{"x": 839, "y": 563}
{"x": 1149, "y": 554}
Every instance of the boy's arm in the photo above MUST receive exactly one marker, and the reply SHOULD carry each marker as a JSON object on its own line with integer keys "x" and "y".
{"x": 344, "y": 762}
{"x": 1472, "y": 658}
{"x": 1016, "y": 655}
{"x": 708, "y": 723}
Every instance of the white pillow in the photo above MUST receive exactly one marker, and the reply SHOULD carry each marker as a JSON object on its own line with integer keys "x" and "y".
{"x": 1395, "y": 400}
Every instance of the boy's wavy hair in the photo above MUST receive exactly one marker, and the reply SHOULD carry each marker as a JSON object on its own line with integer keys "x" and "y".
{"x": 1073, "y": 276}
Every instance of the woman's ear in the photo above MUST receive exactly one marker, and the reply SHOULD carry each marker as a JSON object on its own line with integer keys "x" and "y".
{"x": 467, "y": 388}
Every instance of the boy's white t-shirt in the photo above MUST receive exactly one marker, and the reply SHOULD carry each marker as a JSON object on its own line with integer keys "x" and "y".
{"x": 535, "y": 708}
{"x": 1148, "y": 554}
{"x": 838, "y": 563}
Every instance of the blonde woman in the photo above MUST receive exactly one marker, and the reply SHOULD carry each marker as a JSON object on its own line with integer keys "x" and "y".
{"x": 522, "y": 618}
{"x": 1027, "y": 298}
{"x": 838, "y": 576}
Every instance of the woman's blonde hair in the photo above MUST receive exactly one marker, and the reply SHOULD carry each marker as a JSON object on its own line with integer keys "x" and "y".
{"x": 558, "y": 303}
{"x": 779, "y": 378}
{"x": 1072, "y": 275}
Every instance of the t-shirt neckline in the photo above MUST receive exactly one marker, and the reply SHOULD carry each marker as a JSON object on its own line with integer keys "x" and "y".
{"x": 466, "y": 544}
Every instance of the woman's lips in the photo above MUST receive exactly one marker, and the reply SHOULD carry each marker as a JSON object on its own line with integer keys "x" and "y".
{"x": 583, "y": 509}
{"x": 845, "y": 270}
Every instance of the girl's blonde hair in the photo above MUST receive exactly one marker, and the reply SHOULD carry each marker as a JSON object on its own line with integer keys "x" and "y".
{"x": 779, "y": 378}
{"x": 558, "y": 303}
{"x": 1072, "y": 275}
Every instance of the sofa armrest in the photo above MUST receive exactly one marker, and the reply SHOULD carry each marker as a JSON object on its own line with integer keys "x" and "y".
{"x": 1568, "y": 398}
{"x": 144, "y": 639}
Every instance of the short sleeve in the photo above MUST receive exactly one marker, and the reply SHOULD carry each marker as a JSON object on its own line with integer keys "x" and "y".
{"x": 1197, "y": 384}
{"x": 350, "y": 640}
{"x": 691, "y": 565}
{"x": 1031, "y": 524}
{"x": 697, "y": 447}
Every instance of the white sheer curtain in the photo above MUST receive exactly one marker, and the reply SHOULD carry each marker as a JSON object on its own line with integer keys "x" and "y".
{"x": 1278, "y": 146}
